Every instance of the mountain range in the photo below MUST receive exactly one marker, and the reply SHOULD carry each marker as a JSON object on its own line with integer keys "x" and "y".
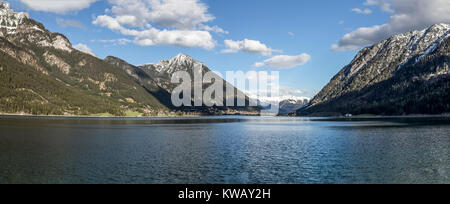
{"x": 292, "y": 104}
{"x": 42, "y": 74}
{"x": 403, "y": 75}
{"x": 287, "y": 104}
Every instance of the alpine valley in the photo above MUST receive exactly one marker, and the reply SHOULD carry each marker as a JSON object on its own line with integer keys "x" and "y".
{"x": 41, "y": 73}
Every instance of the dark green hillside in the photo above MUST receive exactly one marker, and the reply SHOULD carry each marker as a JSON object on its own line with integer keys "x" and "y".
{"x": 143, "y": 79}
{"x": 91, "y": 87}
{"x": 23, "y": 89}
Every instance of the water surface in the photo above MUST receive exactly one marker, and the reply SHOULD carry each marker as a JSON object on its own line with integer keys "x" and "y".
{"x": 224, "y": 150}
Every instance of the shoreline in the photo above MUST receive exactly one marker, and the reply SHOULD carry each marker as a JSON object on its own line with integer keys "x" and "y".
{"x": 75, "y": 117}
{"x": 396, "y": 116}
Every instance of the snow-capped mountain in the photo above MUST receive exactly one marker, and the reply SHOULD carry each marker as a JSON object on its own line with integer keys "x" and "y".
{"x": 19, "y": 27}
{"x": 10, "y": 20}
{"x": 160, "y": 75}
{"x": 399, "y": 75}
{"x": 293, "y": 104}
{"x": 163, "y": 71}
{"x": 287, "y": 104}
{"x": 181, "y": 62}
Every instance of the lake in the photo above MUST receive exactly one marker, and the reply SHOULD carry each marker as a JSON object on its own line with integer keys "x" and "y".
{"x": 237, "y": 150}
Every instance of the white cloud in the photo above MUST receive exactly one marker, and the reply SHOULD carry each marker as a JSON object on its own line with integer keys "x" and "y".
{"x": 215, "y": 29}
{"x": 362, "y": 11}
{"x": 265, "y": 95}
{"x": 291, "y": 34}
{"x": 69, "y": 23}
{"x": 121, "y": 41}
{"x": 407, "y": 15}
{"x": 284, "y": 61}
{"x": 161, "y": 22}
{"x": 84, "y": 48}
{"x": 383, "y": 4}
{"x": 341, "y": 22}
{"x": 289, "y": 91}
{"x": 58, "y": 6}
{"x": 180, "y": 14}
{"x": 285, "y": 93}
{"x": 180, "y": 38}
{"x": 249, "y": 46}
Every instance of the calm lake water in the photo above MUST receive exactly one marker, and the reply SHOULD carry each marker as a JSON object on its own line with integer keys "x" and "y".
{"x": 225, "y": 150}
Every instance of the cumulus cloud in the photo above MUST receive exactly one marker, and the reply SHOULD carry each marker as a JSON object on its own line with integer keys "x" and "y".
{"x": 284, "y": 61}
{"x": 69, "y": 23}
{"x": 248, "y": 46}
{"x": 407, "y": 15}
{"x": 362, "y": 11}
{"x": 58, "y": 6}
{"x": 84, "y": 48}
{"x": 161, "y": 22}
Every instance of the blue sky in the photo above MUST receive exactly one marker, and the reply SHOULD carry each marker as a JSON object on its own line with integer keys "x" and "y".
{"x": 294, "y": 27}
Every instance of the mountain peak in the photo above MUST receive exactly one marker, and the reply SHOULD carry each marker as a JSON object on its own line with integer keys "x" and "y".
{"x": 9, "y": 19}
{"x": 181, "y": 55}
{"x": 6, "y": 11}
{"x": 4, "y": 5}
{"x": 181, "y": 62}
{"x": 109, "y": 58}
{"x": 438, "y": 29}
{"x": 182, "y": 58}
{"x": 440, "y": 26}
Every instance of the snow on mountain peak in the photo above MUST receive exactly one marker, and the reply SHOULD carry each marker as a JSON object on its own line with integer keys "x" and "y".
{"x": 441, "y": 26}
{"x": 425, "y": 42}
{"x": 7, "y": 12}
{"x": 399, "y": 48}
{"x": 9, "y": 19}
{"x": 181, "y": 62}
{"x": 4, "y": 5}
{"x": 182, "y": 57}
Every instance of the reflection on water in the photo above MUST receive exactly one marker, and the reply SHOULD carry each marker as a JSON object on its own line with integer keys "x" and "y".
{"x": 225, "y": 150}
